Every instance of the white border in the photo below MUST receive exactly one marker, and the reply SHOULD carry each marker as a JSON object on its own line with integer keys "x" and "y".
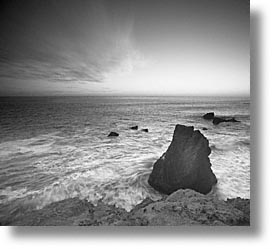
{"x": 263, "y": 236}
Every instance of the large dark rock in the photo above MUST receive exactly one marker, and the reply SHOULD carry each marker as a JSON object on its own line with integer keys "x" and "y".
{"x": 134, "y": 127}
{"x": 185, "y": 164}
{"x": 113, "y": 134}
{"x": 209, "y": 116}
{"x": 218, "y": 120}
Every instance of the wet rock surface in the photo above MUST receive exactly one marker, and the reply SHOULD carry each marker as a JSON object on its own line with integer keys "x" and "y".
{"x": 185, "y": 164}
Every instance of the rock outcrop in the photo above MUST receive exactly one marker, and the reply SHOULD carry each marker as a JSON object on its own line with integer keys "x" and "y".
{"x": 113, "y": 134}
{"x": 187, "y": 207}
{"x": 209, "y": 116}
{"x": 183, "y": 207}
{"x": 217, "y": 120}
{"x": 185, "y": 164}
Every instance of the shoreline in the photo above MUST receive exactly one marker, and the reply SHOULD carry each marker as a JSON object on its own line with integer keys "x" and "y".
{"x": 183, "y": 174}
{"x": 183, "y": 207}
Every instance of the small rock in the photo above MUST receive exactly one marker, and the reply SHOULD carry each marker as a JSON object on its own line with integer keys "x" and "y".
{"x": 145, "y": 130}
{"x": 134, "y": 127}
{"x": 204, "y": 129}
{"x": 209, "y": 116}
{"x": 113, "y": 134}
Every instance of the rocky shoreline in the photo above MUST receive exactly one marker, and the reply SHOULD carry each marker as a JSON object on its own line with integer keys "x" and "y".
{"x": 183, "y": 173}
{"x": 183, "y": 207}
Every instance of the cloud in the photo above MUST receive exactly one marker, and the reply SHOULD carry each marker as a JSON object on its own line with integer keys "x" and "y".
{"x": 65, "y": 42}
{"x": 66, "y": 71}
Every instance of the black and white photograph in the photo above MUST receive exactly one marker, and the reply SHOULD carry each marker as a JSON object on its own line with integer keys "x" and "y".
{"x": 125, "y": 113}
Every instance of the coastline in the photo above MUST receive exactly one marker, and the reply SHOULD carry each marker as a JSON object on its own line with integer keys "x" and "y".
{"x": 184, "y": 170}
{"x": 183, "y": 207}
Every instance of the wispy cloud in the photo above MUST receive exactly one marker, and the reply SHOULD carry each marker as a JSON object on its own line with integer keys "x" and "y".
{"x": 125, "y": 46}
{"x": 86, "y": 47}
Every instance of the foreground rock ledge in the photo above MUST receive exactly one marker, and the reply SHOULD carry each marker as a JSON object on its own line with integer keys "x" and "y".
{"x": 183, "y": 207}
{"x": 185, "y": 164}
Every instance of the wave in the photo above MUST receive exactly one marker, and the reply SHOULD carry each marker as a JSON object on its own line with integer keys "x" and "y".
{"x": 245, "y": 142}
{"x": 230, "y": 146}
{"x": 114, "y": 188}
{"x": 70, "y": 155}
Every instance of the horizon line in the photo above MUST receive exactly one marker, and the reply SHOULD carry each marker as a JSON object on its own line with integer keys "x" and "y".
{"x": 125, "y": 95}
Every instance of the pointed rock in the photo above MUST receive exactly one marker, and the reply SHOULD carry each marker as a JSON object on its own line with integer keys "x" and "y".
{"x": 185, "y": 164}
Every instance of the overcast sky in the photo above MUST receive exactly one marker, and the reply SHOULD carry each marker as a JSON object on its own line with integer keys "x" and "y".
{"x": 172, "y": 47}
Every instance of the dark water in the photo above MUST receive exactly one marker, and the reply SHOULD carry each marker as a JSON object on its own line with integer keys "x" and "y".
{"x": 53, "y": 148}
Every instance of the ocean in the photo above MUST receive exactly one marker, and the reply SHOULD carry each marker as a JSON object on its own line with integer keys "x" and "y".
{"x": 54, "y": 148}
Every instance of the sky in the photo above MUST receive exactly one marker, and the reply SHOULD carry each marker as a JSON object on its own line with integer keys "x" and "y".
{"x": 129, "y": 47}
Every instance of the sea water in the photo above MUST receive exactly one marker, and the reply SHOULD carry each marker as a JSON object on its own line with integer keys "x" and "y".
{"x": 53, "y": 148}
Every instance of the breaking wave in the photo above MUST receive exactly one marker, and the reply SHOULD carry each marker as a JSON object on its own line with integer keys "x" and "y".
{"x": 69, "y": 155}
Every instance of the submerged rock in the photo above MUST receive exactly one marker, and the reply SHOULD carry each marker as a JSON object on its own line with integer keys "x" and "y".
{"x": 134, "y": 127}
{"x": 218, "y": 120}
{"x": 185, "y": 164}
{"x": 145, "y": 130}
{"x": 209, "y": 116}
{"x": 113, "y": 134}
